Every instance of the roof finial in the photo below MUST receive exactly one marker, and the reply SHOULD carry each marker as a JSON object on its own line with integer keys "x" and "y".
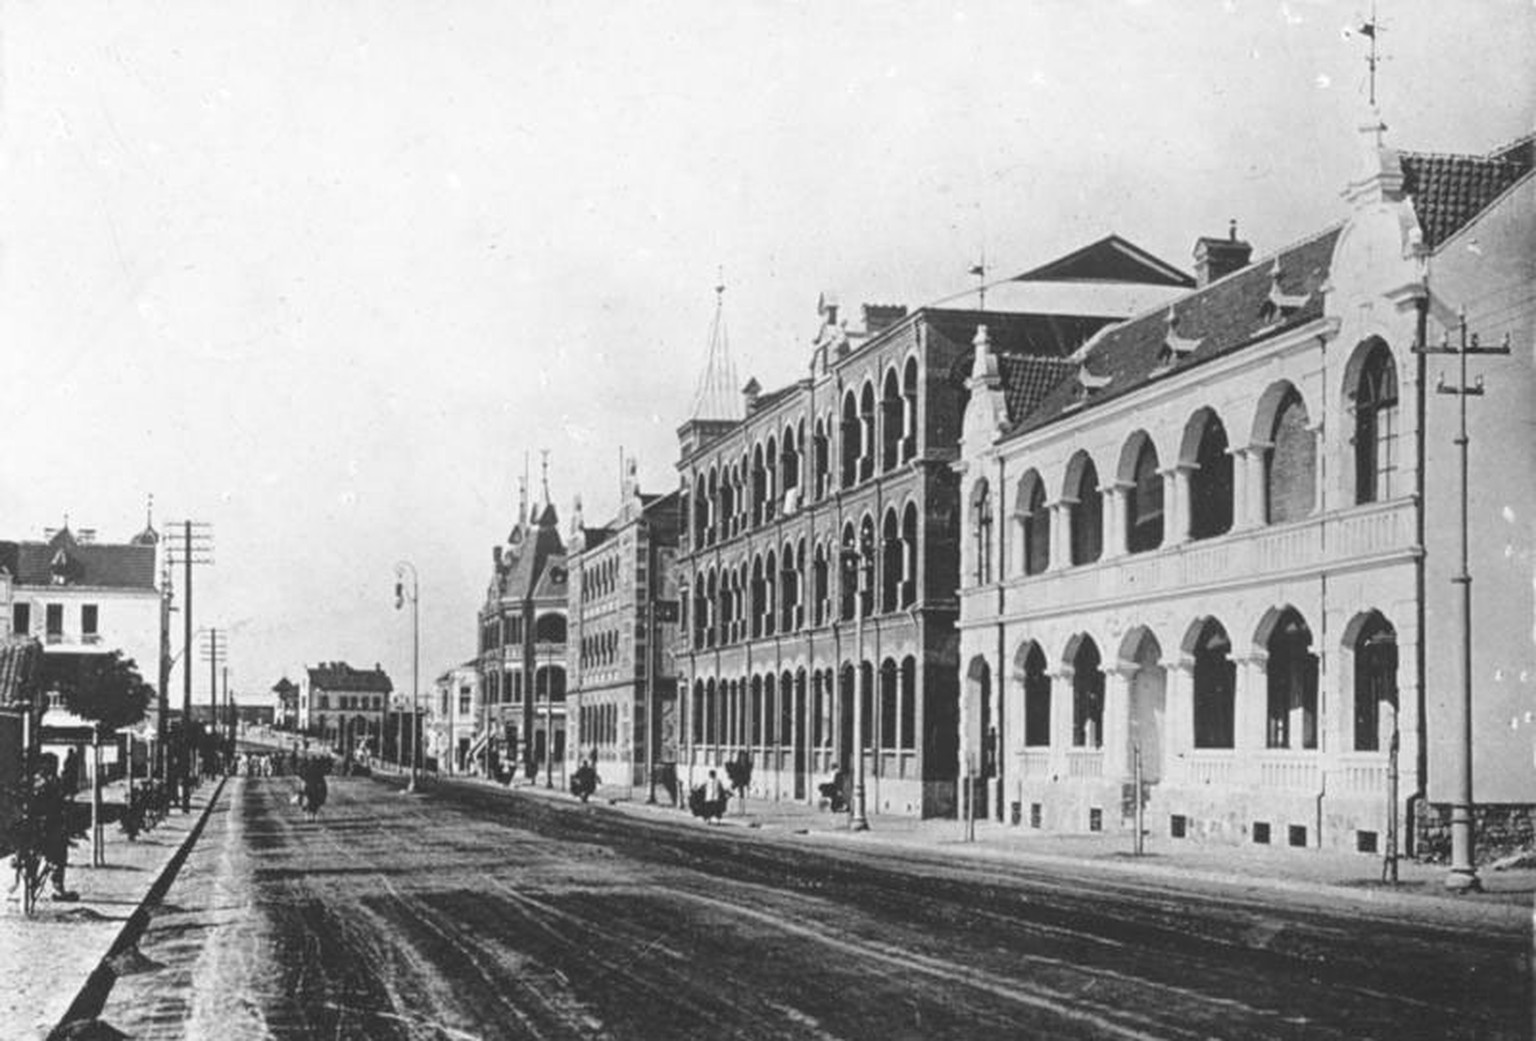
{"x": 979, "y": 269}
{"x": 1369, "y": 29}
{"x": 544, "y": 475}
{"x": 716, "y": 395}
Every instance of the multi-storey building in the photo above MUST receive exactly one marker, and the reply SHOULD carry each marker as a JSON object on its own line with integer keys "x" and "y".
{"x": 455, "y": 714}
{"x": 523, "y": 645}
{"x": 793, "y": 498}
{"x": 623, "y": 626}
{"x": 345, "y": 707}
{"x": 1218, "y": 552}
{"x": 80, "y": 596}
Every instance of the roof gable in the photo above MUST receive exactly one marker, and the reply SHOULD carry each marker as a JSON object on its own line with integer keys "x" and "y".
{"x": 1111, "y": 259}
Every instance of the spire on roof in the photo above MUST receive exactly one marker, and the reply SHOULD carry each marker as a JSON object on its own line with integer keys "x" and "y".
{"x": 716, "y": 396}
{"x": 149, "y": 536}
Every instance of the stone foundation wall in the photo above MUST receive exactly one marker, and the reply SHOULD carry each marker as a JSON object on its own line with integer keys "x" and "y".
{"x": 1499, "y": 830}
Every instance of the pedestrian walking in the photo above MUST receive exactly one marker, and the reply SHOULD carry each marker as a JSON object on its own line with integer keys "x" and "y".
{"x": 51, "y": 805}
{"x": 315, "y": 789}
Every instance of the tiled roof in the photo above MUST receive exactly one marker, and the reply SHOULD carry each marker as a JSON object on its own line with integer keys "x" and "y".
{"x": 533, "y": 548}
{"x": 1449, "y": 190}
{"x": 104, "y": 565}
{"x": 553, "y": 581}
{"x": 338, "y": 675}
{"x": 1209, "y": 322}
{"x": 1028, "y": 379}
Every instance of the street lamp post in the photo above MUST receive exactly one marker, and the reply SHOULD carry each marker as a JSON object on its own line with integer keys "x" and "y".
{"x": 861, "y": 559}
{"x": 400, "y": 597}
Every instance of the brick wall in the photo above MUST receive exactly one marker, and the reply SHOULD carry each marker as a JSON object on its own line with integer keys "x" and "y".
{"x": 1500, "y": 829}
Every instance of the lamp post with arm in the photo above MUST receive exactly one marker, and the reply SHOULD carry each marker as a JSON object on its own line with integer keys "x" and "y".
{"x": 401, "y": 596}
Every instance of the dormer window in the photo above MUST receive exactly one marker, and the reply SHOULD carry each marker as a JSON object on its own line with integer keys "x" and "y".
{"x": 1280, "y": 305}
{"x": 1175, "y": 347}
{"x": 1088, "y": 386}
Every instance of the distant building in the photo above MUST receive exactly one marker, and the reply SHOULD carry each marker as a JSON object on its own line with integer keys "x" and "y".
{"x": 1217, "y": 550}
{"x": 620, "y": 574}
{"x": 345, "y": 706}
{"x": 523, "y": 644}
{"x": 286, "y": 694}
{"x": 455, "y": 715}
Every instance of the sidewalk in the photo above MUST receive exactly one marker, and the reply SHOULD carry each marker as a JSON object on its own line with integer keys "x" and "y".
{"x": 48, "y": 959}
{"x": 1318, "y": 873}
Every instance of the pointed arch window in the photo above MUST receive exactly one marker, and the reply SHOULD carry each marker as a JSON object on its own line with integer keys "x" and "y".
{"x": 1034, "y": 524}
{"x": 1292, "y": 685}
{"x": 909, "y": 555}
{"x": 909, "y": 402}
{"x": 1144, "y": 502}
{"x": 867, "y": 443}
{"x": 1087, "y": 697}
{"x": 1376, "y": 427}
{"x": 1210, "y": 484}
{"x": 1087, "y": 516}
{"x": 1215, "y": 685}
{"x": 892, "y": 559}
{"x": 892, "y": 410}
{"x": 1290, "y": 463}
{"x": 850, "y": 434}
{"x": 1037, "y": 699}
{"x": 1375, "y": 685}
{"x": 981, "y": 531}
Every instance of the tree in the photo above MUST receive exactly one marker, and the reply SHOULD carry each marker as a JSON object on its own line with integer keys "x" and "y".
{"x": 106, "y": 688}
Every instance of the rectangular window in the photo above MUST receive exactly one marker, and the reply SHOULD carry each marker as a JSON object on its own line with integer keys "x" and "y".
{"x": 21, "y": 619}
{"x": 55, "y": 622}
{"x": 88, "y": 621}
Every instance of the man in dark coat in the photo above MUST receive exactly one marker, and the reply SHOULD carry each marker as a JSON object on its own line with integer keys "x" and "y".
{"x": 50, "y": 807}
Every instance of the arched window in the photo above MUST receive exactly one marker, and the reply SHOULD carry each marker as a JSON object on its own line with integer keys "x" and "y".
{"x": 909, "y": 401}
{"x": 891, "y": 411}
{"x": 726, "y": 521}
{"x": 696, "y": 722}
{"x": 770, "y": 588}
{"x": 789, "y": 588}
{"x": 759, "y": 485}
{"x": 820, "y": 455}
{"x": 1144, "y": 502}
{"x": 889, "y": 704}
{"x": 712, "y": 508}
{"x": 769, "y": 505}
{"x": 1375, "y": 684}
{"x": 1376, "y": 426}
{"x": 892, "y": 558}
{"x": 821, "y": 590}
{"x": 1037, "y": 699}
{"x": 981, "y": 531}
{"x": 1290, "y": 463}
{"x": 755, "y": 722}
{"x": 1210, "y": 483}
{"x": 868, "y": 549}
{"x": 848, "y": 578}
{"x": 789, "y": 464}
{"x": 867, "y": 431}
{"x": 1087, "y": 696}
{"x": 1087, "y": 515}
{"x": 1034, "y": 525}
{"x": 1292, "y": 671}
{"x": 549, "y": 628}
{"x": 850, "y": 434}
{"x": 908, "y": 735}
{"x": 1215, "y": 683}
{"x": 909, "y": 555}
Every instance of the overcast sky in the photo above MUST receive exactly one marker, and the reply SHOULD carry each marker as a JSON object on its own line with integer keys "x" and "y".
{"x": 322, "y": 273}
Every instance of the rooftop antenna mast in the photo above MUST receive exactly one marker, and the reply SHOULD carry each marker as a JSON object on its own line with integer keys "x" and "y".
{"x": 979, "y": 269}
{"x": 1369, "y": 29}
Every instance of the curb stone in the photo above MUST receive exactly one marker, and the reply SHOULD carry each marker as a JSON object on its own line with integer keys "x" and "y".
{"x": 92, "y": 998}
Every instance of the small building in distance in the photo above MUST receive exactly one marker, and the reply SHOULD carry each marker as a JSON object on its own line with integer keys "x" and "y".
{"x": 345, "y": 706}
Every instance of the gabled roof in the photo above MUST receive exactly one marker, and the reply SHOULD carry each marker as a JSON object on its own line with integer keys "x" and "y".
{"x": 63, "y": 560}
{"x": 1448, "y": 191}
{"x": 338, "y": 675}
{"x": 1111, "y": 259}
{"x": 532, "y": 548}
{"x": 1212, "y": 321}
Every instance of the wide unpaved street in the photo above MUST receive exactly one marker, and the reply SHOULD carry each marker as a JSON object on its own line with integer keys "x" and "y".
{"x": 472, "y": 912}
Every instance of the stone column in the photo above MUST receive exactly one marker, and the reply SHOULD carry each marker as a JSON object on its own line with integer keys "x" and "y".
{"x": 1117, "y": 723}
{"x": 1250, "y": 718}
{"x": 1061, "y": 534}
{"x": 1061, "y": 720}
{"x": 1179, "y": 708}
{"x": 1176, "y": 505}
{"x": 1254, "y": 504}
{"x": 1116, "y": 524}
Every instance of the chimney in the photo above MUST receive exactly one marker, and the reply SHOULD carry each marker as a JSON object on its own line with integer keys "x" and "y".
{"x": 1217, "y": 258}
{"x": 879, "y": 317}
{"x": 749, "y": 394}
